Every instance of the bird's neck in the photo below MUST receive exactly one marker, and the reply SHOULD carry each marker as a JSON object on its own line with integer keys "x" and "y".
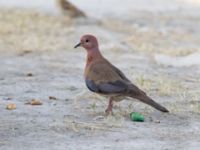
{"x": 93, "y": 55}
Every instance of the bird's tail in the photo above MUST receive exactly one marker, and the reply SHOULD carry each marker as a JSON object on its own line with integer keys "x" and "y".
{"x": 144, "y": 98}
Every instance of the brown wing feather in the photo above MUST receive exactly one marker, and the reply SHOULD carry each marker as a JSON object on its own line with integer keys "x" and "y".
{"x": 102, "y": 71}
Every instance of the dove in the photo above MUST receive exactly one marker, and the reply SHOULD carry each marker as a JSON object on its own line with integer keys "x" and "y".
{"x": 104, "y": 78}
{"x": 69, "y": 9}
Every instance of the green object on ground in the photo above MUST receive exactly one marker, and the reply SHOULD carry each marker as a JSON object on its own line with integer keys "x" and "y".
{"x": 136, "y": 117}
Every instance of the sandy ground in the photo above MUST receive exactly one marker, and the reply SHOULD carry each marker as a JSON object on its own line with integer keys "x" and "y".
{"x": 42, "y": 45}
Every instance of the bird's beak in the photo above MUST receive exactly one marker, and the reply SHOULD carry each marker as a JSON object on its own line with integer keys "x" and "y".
{"x": 77, "y": 45}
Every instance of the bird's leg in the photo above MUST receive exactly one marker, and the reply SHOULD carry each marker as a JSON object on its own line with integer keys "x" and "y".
{"x": 110, "y": 106}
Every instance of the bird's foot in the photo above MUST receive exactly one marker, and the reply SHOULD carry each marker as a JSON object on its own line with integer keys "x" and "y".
{"x": 109, "y": 111}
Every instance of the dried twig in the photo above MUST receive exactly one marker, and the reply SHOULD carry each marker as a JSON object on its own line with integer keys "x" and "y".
{"x": 77, "y": 125}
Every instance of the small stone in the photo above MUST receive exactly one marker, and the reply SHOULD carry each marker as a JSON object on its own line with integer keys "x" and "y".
{"x": 8, "y": 98}
{"x": 52, "y": 98}
{"x": 29, "y": 74}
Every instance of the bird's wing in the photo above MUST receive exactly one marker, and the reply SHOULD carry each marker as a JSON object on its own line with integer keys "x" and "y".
{"x": 116, "y": 87}
{"x": 102, "y": 77}
{"x": 120, "y": 73}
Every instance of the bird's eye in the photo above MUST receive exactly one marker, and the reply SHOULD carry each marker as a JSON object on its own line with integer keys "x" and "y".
{"x": 87, "y": 41}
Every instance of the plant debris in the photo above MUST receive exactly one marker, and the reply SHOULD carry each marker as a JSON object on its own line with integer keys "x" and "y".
{"x": 11, "y": 106}
{"x": 34, "y": 102}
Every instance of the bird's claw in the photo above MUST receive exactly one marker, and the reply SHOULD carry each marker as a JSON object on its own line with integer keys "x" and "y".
{"x": 108, "y": 112}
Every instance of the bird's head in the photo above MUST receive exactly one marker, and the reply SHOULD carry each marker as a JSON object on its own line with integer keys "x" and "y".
{"x": 89, "y": 42}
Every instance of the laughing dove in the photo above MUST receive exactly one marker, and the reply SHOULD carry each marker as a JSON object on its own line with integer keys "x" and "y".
{"x": 105, "y": 79}
{"x": 69, "y": 9}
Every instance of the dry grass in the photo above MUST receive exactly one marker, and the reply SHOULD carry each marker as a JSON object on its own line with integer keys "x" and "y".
{"x": 168, "y": 87}
{"x": 171, "y": 43}
{"x": 144, "y": 82}
{"x": 109, "y": 123}
{"x": 165, "y": 86}
{"x": 194, "y": 101}
{"x": 28, "y": 30}
{"x": 117, "y": 26}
